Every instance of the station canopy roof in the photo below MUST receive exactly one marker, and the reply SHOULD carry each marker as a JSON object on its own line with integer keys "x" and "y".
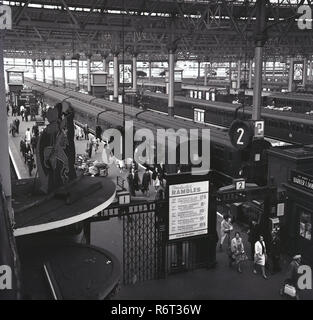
{"x": 204, "y": 30}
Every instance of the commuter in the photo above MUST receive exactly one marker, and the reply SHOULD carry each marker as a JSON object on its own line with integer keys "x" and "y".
{"x": 260, "y": 256}
{"x": 23, "y": 147}
{"x": 274, "y": 251}
{"x": 17, "y": 125}
{"x": 13, "y": 129}
{"x": 146, "y": 182}
{"x": 86, "y": 131}
{"x": 238, "y": 254}
{"x": 226, "y": 228}
{"x": 22, "y": 112}
{"x": 253, "y": 235}
{"x": 27, "y": 150}
{"x": 14, "y": 111}
{"x": 97, "y": 144}
{"x": 99, "y": 132}
{"x": 28, "y": 136}
{"x": 35, "y": 130}
{"x": 30, "y": 162}
{"x": 160, "y": 194}
{"x": 77, "y": 133}
{"x": 156, "y": 178}
{"x": 89, "y": 148}
{"x": 290, "y": 286}
{"x": 27, "y": 113}
{"x": 133, "y": 182}
{"x": 33, "y": 143}
{"x": 44, "y": 113}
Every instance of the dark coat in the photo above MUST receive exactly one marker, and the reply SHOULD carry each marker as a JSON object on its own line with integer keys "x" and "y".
{"x": 146, "y": 181}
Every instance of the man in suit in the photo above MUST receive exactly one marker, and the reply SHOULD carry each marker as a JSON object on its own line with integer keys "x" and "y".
{"x": 133, "y": 182}
{"x": 146, "y": 181}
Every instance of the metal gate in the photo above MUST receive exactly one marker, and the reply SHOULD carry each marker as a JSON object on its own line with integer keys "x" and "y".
{"x": 141, "y": 247}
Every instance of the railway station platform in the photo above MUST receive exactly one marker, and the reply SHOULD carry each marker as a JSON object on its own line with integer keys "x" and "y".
{"x": 220, "y": 283}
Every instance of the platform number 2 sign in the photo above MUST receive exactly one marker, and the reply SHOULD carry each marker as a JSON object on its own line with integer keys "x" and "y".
{"x": 240, "y": 134}
{"x": 5, "y": 17}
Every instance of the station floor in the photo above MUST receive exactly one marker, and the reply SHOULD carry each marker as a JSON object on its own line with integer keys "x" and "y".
{"x": 222, "y": 282}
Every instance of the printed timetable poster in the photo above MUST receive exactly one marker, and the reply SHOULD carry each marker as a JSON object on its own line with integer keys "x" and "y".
{"x": 188, "y": 209}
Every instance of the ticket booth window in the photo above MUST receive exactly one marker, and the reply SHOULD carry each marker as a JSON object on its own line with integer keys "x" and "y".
{"x": 199, "y": 115}
{"x": 305, "y": 225}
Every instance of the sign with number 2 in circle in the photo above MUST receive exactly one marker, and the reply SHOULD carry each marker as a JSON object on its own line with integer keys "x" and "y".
{"x": 240, "y": 134}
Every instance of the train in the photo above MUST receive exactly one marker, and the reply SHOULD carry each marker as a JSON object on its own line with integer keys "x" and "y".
{"x": 90, "y": 110}
{"x": 285, "y": 126}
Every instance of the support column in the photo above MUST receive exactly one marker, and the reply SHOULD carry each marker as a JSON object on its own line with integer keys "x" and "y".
{"x": 199, "y": 69}
{"x": 239, "y": 75}
{"x": 311, "y": 70}
{"x": 264, "y": 70}
{"x": 260, "y": 40}
{"x": 274, "y": 69}
{"x": 206, "y": 74}
{"x": 88, "y": 73}
{"x": 53, "y": 71}
{"x": 77, "y": 75}
{"x": 5, "y": 175}
{"x": 171, "y": 80}
{"x": 115, "y": 76}
{"x": 105, "y": 67}
{"x": 250, "y": 73}
{"x": 44, "y": 70}
{"x": 34, "y": 69}
{"x": 63, "y": 71}
{"x": 284, "y": 70}
{"x": 135, "y": 71}
{"x": 290, "y": 80}
{"x": 150, "y": 70}
{"x": 305, "y": 72}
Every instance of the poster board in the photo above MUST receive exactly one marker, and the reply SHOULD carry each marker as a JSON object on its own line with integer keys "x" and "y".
{"x": 298, "y": 69}
{"x": 188, "y": 209}
{"x": 125, "y": 74}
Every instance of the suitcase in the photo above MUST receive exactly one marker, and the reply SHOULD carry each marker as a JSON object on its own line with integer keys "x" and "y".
{"x": 290, "y": 290}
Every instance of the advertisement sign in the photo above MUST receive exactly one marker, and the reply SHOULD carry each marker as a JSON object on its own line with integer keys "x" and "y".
{"x": 298, "y": 68}
{"x": 188, "y": 209}
{"x": 5, "y": 17}
{"x": 125, "y": 74}
{"x": 15, "y": 78}
{"x": 302, "y": 180}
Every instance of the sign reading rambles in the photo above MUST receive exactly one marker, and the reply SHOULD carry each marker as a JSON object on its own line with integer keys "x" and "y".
{"x": 188, "y": 209}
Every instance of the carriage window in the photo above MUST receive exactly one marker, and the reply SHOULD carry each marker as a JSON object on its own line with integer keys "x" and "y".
{"x": 199, "y": 115}
{"x": 200, "y": 95}
{"x": 305, "y": 224}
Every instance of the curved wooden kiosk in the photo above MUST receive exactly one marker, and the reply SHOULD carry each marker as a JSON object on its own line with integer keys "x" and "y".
{"x": 48, "y": 213}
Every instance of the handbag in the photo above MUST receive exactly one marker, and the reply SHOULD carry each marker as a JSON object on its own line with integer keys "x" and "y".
{"x": 290, "y": 290}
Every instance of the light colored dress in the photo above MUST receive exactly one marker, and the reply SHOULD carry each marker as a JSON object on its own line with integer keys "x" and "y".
{"x": 226, "y": 227}
{"x": 259, "y": 255}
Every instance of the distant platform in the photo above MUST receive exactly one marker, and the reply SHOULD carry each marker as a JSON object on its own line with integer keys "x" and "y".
{"x": 35, "y": 212}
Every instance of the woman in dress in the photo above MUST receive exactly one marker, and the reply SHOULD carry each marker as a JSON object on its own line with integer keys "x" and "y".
{"x": 260, "y": 256}
{"x": 226, "y": 228}
{"x": 238, "y": 251}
